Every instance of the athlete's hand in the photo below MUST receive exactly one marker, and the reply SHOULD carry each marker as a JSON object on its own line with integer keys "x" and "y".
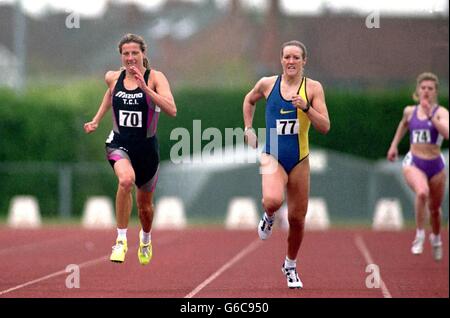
{"x": 139, "y": 78}
{"x": 250, "y": 138}
{"x": 392, "y": 154}
{"x": 90, "y": 127}
{"x": 299, "y": 102}
{"x": 426, "y": 106}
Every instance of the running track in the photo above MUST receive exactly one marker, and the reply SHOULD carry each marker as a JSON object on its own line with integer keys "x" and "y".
{"x": 215, "y": 263}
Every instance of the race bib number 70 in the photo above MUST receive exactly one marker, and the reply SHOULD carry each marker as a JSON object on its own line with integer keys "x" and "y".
{"x": 287, "y": 126}
{"x": 129, "y": 118}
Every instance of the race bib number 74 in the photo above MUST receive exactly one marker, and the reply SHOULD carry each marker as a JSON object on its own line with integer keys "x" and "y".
{"x": 421, "y": 136}
{"x": 129, "y": 118}
{"x": 287, "y": 126}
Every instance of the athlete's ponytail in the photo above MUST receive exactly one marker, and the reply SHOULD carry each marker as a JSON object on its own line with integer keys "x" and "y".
{"x": 146, "y": 63}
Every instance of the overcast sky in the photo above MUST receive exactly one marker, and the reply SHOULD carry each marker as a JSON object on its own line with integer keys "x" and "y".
{"x": 411, "y": 7}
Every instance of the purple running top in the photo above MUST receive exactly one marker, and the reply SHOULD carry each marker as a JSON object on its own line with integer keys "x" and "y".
{"x": 423, "y": 131}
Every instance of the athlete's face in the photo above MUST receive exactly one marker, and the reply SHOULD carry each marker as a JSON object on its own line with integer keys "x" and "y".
{"x": 132, "y": 55}
{"x": 292, "y": 60}
{"x": 427, "y": 90}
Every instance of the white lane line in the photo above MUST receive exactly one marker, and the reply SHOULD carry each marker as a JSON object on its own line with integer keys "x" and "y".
{"x": 61, "y": 272}
{"x": 166, "y": 239}
{"x": 252, "y": 246}
{"x": 368, "y": 258}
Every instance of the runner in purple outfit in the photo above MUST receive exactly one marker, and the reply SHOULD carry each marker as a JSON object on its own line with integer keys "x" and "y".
{"x": 423, "y": 166}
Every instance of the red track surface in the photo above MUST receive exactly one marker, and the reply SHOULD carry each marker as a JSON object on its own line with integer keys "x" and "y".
{"x": 331, "y": 264}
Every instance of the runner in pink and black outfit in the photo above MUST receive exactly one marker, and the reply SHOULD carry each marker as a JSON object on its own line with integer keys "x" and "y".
{"x": 137, "y": 95}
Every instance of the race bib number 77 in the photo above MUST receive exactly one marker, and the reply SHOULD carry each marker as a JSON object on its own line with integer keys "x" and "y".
{"x": 287, "y": 126}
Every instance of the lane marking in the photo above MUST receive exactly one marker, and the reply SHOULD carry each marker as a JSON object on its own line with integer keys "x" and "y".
{"x": 362, "y": 247}
{"x": 55, "y": 274}
{"x": 252, "y": 246}
{"x": 163, "y": 241}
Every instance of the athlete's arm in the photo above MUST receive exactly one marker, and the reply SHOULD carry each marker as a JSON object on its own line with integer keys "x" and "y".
{"x": 250, "y": 100}
{"x": 399, "y": 134}
{"x": 104, "y": 106}
{"x": 162, "y": 95}
{"x": 440, "y": 121}
{"x": 318, "y": 112}
{"x": 248, "y": 109}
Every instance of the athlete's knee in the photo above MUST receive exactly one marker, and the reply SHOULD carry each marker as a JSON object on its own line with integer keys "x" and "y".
{"x": 435, "y": 212}
{"x": 145, "y": 209}
{"x": 435, "y": 208}
{"x": 145, "y": 212}
{"x": 126, "y": 183}
{"x": 272, "y": 203}
{"x": 423, "y": 194}
{"x": 296, "y": 220}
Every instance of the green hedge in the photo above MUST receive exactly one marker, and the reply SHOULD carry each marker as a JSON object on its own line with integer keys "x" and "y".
{"x": 364, "y": 123}
{"x": 46, "y": 124}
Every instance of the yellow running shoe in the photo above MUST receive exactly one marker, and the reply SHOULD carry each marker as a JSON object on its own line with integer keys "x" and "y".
{"x": 144, "y": 251}
{"x": 118, "y": 251}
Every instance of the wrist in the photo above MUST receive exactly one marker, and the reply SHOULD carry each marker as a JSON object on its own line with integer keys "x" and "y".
{"x": 147, "y": 90}
{"x": 248, "y": 128}
{"x": 308, "y": 106}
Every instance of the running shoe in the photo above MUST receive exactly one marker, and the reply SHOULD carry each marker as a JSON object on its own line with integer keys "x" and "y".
{"x": 437, "y": 248}
{"x": 293, "y": 281}
{"x": 265, "y": 227}
{"x": 144, "y": 251}
{"x": 118, "y": 251}
{"x": 417, "y": 245}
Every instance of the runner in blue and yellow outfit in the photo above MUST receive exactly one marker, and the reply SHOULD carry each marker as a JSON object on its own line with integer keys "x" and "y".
{"x": 294, "y": 102}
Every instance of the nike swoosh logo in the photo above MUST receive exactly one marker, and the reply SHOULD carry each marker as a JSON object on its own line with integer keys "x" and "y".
{"x": 284, "y": 112}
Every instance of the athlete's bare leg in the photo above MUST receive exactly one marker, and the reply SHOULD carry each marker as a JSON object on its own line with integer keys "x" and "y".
{"x": 274, "y": 180}
{"x": 145, "y": 209}
{"x": 124, "y": 200}
{"x": 417, "y": 180}
{"x": 437, "y": 190}
{"x": 297, "y": 201}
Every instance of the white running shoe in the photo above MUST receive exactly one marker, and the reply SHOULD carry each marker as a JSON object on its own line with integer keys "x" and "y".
{"x": 265, "y": 228}
{"x": 417, "y": 245}
{"x": 437, "y": 248}
{"x": 293, "y": 281}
